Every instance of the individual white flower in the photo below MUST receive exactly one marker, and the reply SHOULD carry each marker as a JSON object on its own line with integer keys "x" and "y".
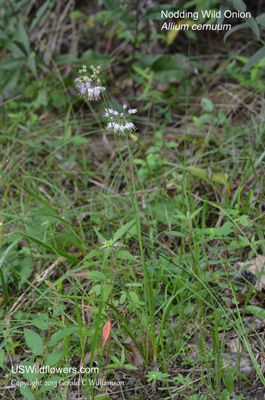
{"x": 109, "y": 111}
{"x": 110, "y": 244}
{"x": 89, "y": 85}
{"x": 118, "y": 121}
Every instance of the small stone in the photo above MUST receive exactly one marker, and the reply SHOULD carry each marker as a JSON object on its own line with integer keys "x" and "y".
{"x": 233, "y": 360}
{"x": 246, "y": 277}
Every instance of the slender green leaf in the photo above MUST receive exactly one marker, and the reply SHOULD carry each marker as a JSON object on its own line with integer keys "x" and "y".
{"x": 100, "y": 237}
{"x": 53, "y": 249}
{"x": 234, "y": 29}
{"x": 39, "y": 14}
{"x": 240, "y": 5}
{"x": 259, "y": 55}
{"x": 2, "y": 358}
{"x": 23, "y": 38}
{"x": 120, "y": 232}
{"x": 222, "y": 9}
{"x": 175, "y": 233}
{"x": 195, "y": 213}
{"x": 261, "y": 19}
{"x": 253, "y": 25}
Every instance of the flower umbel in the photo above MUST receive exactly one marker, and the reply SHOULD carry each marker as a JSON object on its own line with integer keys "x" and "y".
{"x": 89, "y": 85}
{"x": 119, "y": 121}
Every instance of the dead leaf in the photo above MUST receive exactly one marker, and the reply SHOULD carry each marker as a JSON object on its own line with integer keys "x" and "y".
{"x": 257, "y": 266}
{"x": 51, "y": 285}
{"x": 235, "y": 345}
{"x": 106, "y": 332}
{"x": 129, "y": 344}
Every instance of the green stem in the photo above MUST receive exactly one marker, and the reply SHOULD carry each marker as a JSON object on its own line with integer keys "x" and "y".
{"x": 133, "y": 197}
{"x": 148, "y": 288}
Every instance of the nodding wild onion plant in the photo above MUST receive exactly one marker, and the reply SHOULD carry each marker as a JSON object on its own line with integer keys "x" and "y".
{"x": 119, "y": 123}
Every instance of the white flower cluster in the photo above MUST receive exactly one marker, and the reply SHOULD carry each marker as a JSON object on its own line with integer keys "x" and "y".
{"x": 90, "y": 85}
{"x": 118, "y": 121}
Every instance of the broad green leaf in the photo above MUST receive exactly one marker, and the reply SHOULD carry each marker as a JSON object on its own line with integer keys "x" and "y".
{"x": 97, "y": 290}
{"x": 30, "y": 372}
{"x": 61, "y": 335}
{"x": 97, "y": 276}
{"x": 169, "y": 69}
{"x": 50, "y": 384}
{"x": 163, "y": 210}
{"x": 111, "y": 4}
{"x": 134, "y": 298}
{"x": 207, "y": 104}
{"x": 120, "y": 232}
{"x": 65, "y": 59}
{"x": 53, "y": 358}
{"x": 26, "y": 393}
{"x": 90, "y": 57}
{"x": 42, "y": 322}
{"x": 202, "y": 173}
{"x": 75, "y": 15}
{"x": 58, "y": 310}
{"x": 259, "y": 55}
{"x": 34, "y": 342}
{"x": 224, "y": 395}
{"x": 124, "y": 255}
{"x": 130, "y": 367}
{"x": 220, "y": 178}
{"x": 258, "y": 311}
{"x": 123, "y": 298}
{"x": 229, "y": 382}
